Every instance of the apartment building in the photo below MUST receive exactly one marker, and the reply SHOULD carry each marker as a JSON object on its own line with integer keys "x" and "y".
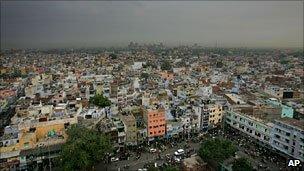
{"x": 131, "y": 130}
{"x": 156, "y": 122}
{"x": 215, "y": 114}
{"x": 250, "y": 125}
{"x": 288, "y": 137}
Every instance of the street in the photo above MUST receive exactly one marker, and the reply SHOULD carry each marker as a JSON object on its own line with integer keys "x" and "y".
{"x": 145, "y": 158}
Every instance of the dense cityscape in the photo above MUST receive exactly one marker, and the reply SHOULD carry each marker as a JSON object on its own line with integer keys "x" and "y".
{"x": 153, "y": 106}
{"x": 151, "y": 85}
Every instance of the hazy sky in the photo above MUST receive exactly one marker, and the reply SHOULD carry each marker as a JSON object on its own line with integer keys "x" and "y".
{"x": 103, "y": 23}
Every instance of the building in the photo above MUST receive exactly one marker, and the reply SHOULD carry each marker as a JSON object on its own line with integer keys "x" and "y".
{"x": 215, "y": 114}
{"x": 156, "y": 122}
{"x": 250, "y": 125}
{"x": 131, "y": 130}
{"x": 120, "y": 129}
{"x": 287, "y": 136}
{"x": 286, "y": 110}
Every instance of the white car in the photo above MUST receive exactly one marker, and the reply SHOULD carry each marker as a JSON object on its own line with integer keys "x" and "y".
{"x": 114, "y": 159}
{"x": 153, "y": 150}
{"x": 179, "y": 152}
{"x": 177, "y": 159}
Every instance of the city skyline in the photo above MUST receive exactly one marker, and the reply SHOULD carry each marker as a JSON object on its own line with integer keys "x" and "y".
{"x": 77, "y": 24}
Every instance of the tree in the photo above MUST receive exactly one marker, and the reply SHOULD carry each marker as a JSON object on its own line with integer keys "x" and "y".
{"x": 84, "y": 148}
{"x": 170, "y": 168}
{"x": 113, "y": 56}
{"x": 216, "y": 150}
{"x": 100, "y": 100}
{"x": 166, "y": 65}
{"x": 242, "y": 164}
{"x": 144, "y": 75}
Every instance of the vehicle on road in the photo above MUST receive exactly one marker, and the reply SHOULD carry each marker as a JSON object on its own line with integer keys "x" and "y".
{"x": 114, "y": 159}
{"x": 177, "y": 159}
{"x": 152, "y": 150}
{"x": 179, "y": 152}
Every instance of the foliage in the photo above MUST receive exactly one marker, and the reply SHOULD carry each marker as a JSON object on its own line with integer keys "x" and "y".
{"x": 144, "y": 75}
{"x": 170, "y": 168}
{"x": 166, "y": 65}
{"x": 284, "y": 62}
{"x": 149, "y": 64}
{"x": 100, "y": 100}
{"x": 113, "y": 56}
{"x": 15, "y": 74}
{"x": 83, "y": 148}
{"x": 216, "y": 150}
{"x": 242, "y": 164}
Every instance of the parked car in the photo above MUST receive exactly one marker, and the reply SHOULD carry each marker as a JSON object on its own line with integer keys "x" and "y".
{"x": 179, "y": 152}
{"x": 114, "y": 159}
{"x": 152, "y": 150}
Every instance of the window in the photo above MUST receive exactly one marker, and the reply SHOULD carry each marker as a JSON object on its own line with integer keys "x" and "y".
{"x": 151, "y": 133}
{"x": 287, "y": 134}
{"x": 266, "y": 138}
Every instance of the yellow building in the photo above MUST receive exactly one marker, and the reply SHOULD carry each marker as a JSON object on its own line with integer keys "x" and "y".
{"x": 215, "y": 114}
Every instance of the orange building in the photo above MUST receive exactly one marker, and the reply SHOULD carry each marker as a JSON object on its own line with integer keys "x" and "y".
{"x": 166, "y": 75}
{"x": 156, "y": 122}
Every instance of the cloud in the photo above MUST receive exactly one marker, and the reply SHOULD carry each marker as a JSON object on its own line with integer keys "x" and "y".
{"x": 102, "y": 23}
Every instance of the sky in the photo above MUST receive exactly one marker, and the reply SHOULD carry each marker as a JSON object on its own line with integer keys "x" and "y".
{"x": 61, "y": 24}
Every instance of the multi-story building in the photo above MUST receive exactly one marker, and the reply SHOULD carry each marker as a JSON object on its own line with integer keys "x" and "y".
{"x": 209, "y": 115}
{"x": 203, "y": 116}
{"x": 287, "y": 136}
{"x": 131, "y": 130}
{"x": 156, "y": 122}
{"x": 283, "y": 134}
{"x": 250, "y": 125}
{"x": 121, "y": 130}
{"x": 215, "y": 114}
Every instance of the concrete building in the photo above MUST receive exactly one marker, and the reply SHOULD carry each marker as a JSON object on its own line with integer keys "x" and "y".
{"x": 215, "y": 114}
{"x": 287, "y": 136}
{"x": 131, "y": 130}
{"x": 250, "y": 125}
{"x": 120, "y": 129}
{"x": 156, "y": 122}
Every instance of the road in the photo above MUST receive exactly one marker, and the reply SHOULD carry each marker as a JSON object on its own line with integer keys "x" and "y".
{"x": 145, "y": 158}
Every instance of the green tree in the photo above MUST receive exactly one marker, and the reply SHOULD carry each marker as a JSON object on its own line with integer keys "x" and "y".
{"x": 166, "y": 65}
{"x": 216, "y": 150}
{"x": 144, "y": 75}
{"x": 113, "y": 56}
{"x": 100, "y": 100}
{"x": 170, "y": 168}
{"x": 84, "y": 148}
{"x": 242, "y": 164}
